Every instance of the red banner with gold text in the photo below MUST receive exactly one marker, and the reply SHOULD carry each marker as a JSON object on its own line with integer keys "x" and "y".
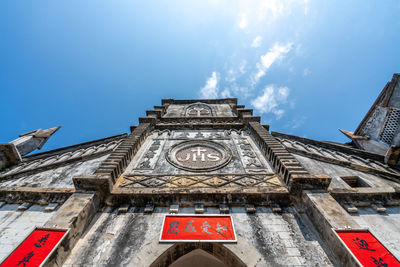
{"x": 35, "y": 248}
{"x": 198, "y": 228}
{"x": 367, "y": 249}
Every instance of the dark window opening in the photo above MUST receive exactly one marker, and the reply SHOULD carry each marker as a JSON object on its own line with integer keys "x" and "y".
{"x": 355, "y": 181}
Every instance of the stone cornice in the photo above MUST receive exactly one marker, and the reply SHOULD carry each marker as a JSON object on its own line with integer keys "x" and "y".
{"x": 169, "y": 101}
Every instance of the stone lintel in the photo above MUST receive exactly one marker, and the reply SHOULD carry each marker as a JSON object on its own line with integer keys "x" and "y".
{"x": 76, "y": 214}
{"x": 326, "y": 213}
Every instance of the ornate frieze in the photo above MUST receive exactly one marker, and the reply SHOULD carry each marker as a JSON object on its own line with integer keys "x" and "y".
{"x": 204, "y": 180}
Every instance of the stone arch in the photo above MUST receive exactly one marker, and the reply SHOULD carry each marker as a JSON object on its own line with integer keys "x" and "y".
{"x": 198, "y": 110}
{"x": 212, "y": 253}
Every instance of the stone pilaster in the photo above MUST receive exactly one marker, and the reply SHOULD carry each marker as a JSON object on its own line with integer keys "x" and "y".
{"x": 327, "y": 215}
{"x": 75, "y": 214}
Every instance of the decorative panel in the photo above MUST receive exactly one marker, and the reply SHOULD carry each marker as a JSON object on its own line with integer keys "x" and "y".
{"x": 193, "y": 158}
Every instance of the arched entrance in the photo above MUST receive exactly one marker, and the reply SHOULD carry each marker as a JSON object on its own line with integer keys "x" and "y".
{"x": 198, "y": 255}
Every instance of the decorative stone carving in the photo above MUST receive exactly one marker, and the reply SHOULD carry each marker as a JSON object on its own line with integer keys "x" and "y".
{"x": 203, "y": 181}
{"x": 249, "y": 157}
{"x": 198, "y": 110}
{"x": 199, "y": 155}
{"x": 151, "y": 153}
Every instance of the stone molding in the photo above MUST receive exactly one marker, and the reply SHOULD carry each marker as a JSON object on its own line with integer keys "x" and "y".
{"x": 36, "y": 195}
{"x": 294, "y": 175}
{"x": 119, "y": 159}
{"x": 187, "y": 181}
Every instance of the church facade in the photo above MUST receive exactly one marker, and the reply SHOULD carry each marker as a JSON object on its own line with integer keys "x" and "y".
{"x": 203, "y": 182}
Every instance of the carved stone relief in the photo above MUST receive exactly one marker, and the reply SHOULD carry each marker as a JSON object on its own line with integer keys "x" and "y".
{"x": 186, "y": 158}
{"x": 198, "y": 155}
{"x": 198, "y": 110}
{"x": 206, "y": 181}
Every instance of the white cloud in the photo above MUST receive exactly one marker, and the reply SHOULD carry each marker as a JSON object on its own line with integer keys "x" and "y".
{"x": 273, "y": 9}
{"x": 271, "y": 100}
{"x": 306, "y": 8}
{"x": 297, "y": 122}
{"x": 256, "y": 42}
{"x": 210, "y": 90}
{"x": 275, "y": 53}
{"x": 306, "y": 72}
{"x": 243, "y": 21}
{"x": 242, "y": 67}
{"x": 230, "y": 76}
{"x": 226, "y": 93}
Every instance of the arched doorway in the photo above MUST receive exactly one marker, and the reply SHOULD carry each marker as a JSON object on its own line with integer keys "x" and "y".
{"x": 198, "y": 255}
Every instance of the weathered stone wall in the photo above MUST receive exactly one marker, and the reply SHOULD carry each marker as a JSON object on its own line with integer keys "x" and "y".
{"x": 385, "y": 226}
{"x": 57, "y": 177}
{"x": 337, "y": 171}
{"x": 264, "y": 239}
{"x": 275, "y": 188}
{"x": 16, "y": 223}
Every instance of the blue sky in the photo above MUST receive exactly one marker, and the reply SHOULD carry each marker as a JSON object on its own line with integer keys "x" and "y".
{"x": 94, "y": 67}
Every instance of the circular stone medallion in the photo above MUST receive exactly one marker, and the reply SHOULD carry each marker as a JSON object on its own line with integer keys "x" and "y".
{"x": 199, "y": 156}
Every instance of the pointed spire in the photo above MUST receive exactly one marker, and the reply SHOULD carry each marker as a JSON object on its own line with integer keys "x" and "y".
{"x": 352, "y": 136}
{"x": 28, "y": 142}
{"x": 44, "y": 134}
{"x": 11, "y": 153}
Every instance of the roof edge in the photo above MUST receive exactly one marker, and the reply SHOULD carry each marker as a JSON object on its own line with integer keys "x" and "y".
{"x": 72, "y": 147}
{"x": 384, "y": 96}
{"x": 207, "y": 101}
{"x": 330, "y": 145}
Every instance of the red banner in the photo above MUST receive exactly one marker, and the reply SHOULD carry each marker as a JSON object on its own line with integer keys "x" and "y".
{"x": 35, "y": 248}
{"x": 367, "y": 249}
{"x": 198, "y": 228}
